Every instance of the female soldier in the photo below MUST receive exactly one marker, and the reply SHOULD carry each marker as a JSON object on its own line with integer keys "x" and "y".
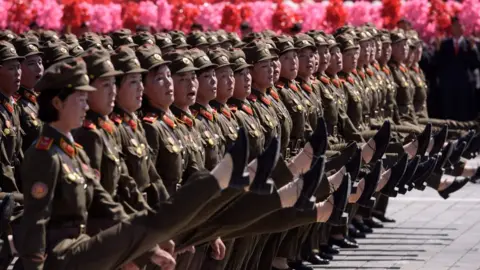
{"x": 225, "y": 85}
{"x": 57, "y": 205}
{"x": 26, "y": 97}
{"x": 100, "y": 137}
{"x": 132, "y": 136}
{"x": 161, "y": 130}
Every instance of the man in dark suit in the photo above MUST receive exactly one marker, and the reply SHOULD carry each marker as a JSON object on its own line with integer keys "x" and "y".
{"x": 455, "y": 59}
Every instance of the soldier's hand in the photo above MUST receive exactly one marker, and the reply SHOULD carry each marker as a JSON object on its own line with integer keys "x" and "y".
{"x": 163, "y": 259}
{"x": 218, "y": 249}
{"x": 168, "y": 246}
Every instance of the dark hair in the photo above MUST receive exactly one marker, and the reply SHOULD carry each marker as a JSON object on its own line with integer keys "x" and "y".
{"x": 46, "y": 112}
{"x": 196, "y": 26}
{"x": 244, "y": 26}
{"x": 296, "y": 28}
{"x": 455, "y": 19}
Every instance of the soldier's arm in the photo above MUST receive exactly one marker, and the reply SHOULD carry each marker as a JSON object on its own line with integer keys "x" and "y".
{"x": 40, "y": 172}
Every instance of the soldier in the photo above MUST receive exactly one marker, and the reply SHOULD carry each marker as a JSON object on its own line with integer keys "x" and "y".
{"x": 132, "y": 137}
{"x": 54, "y": 52}
{"x": 242, "y": 108}
{"x": 159, "y": 123}
{"x": 26, "y": 97}
{"x": 225, "y": 87}
{"x": 291, "y": 96}
{"x": 306, "y": 68}
{"x": 11, "y": 157}
{"x": 63, "y": 104}
{"x": 99, "y": 136}
{"x": 211, "y": 133}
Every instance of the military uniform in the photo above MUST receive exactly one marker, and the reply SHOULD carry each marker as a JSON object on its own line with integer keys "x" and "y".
{"x": 11, "y": 132}
{"x": 57, "y": 243}
{"x": 132, "y": 137}
{"x": 100, "y": 140}
{"x": 244, "y": 113}
{"x": 27, "y": 98}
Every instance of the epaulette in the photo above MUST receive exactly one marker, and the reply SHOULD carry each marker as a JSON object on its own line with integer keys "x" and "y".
{"x": 403, "y": 69}
{"x": 150, "y": 117}
{"x": 377, "y": 66}
{"x": 274, "y": 94}
{"x": 280, "y": 84}
{"x": 89, "y": 124}
{"x": 293, "y": 87}
{"x": 325, "y": 79}
{"x": 265, "y": 100}
{"x": 247, "y": 109}
{"x": 336, "y": 82}
{"x": 208, "y": 115}
{"x": 307, "y": 87}
{"x": 8, "y": 106}
{"x": 369, "y": 72}
{"x": 350, "y": 80}
{"x": 343, "y": 81}
{"x": 227, "y": 113}
{"x": 386, "y": 70}
{"x": 362, "y": 74}
{"x": 355, "y": 72}
{"x": 116, "y": 118}
{"x": 44, "y": 143}
{"x": 169, "y": 121}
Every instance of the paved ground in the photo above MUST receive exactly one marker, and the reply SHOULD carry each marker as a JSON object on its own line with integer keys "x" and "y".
{"x": 430, "y": 233}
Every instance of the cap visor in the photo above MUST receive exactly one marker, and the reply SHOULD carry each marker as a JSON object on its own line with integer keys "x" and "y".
{"x": 56, "y": 60}
{"x": 87, "y": 88}
{"x": 136, "y": 70}
{"x": 186, "y": 69}
{"x": 211, "y": 65}
{"x": 267, "y": 58}
{"x": 224, "y": 65}
{"x": 287, "y": 50}
{"x": 159, "y": 64}
{"x": 33, "y": 53}
{"x": 20, "y": 58}
{"x": 183, "y": 46}
{"x": 111, "y": 74}
{"x": 306, "y": 46}
{"x": 244, "y": 66}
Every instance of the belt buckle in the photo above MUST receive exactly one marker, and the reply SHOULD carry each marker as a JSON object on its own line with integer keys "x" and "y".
{"x": 83, "y": 229}
{"x": 178, "y": 186}
{"x": 335, "y": 130}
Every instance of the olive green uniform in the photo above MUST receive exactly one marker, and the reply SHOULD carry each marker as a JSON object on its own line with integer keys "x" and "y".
{"x": 99, "y": 138}
{"x": 26, "y": 100}
{"x": 50, "y": 241}
{"x": 137, "y": 156}
{"x": 168, "y": 151}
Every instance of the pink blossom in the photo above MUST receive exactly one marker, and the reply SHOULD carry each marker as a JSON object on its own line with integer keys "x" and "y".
{"x": 148, "y": 13}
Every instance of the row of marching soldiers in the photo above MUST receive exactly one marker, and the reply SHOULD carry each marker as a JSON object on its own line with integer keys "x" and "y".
{"x": 204, "y": 151}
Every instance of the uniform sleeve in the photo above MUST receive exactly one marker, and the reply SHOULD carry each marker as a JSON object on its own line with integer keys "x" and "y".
{"x": 92, "y": 145}
{"x": 38, "y": 189}
{"x": 348, "y": 129}
{"x": 103, "y": 206}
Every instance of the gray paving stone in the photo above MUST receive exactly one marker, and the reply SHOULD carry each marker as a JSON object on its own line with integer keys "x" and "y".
{"x": 430, "y": 234}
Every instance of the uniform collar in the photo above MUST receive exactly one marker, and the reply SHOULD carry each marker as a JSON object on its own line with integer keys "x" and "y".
{"x": 183, "y": 116}
{"x": 27, "y": 94}
{"x": 126, "y": 117}
{"x": 64, "y": 142}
